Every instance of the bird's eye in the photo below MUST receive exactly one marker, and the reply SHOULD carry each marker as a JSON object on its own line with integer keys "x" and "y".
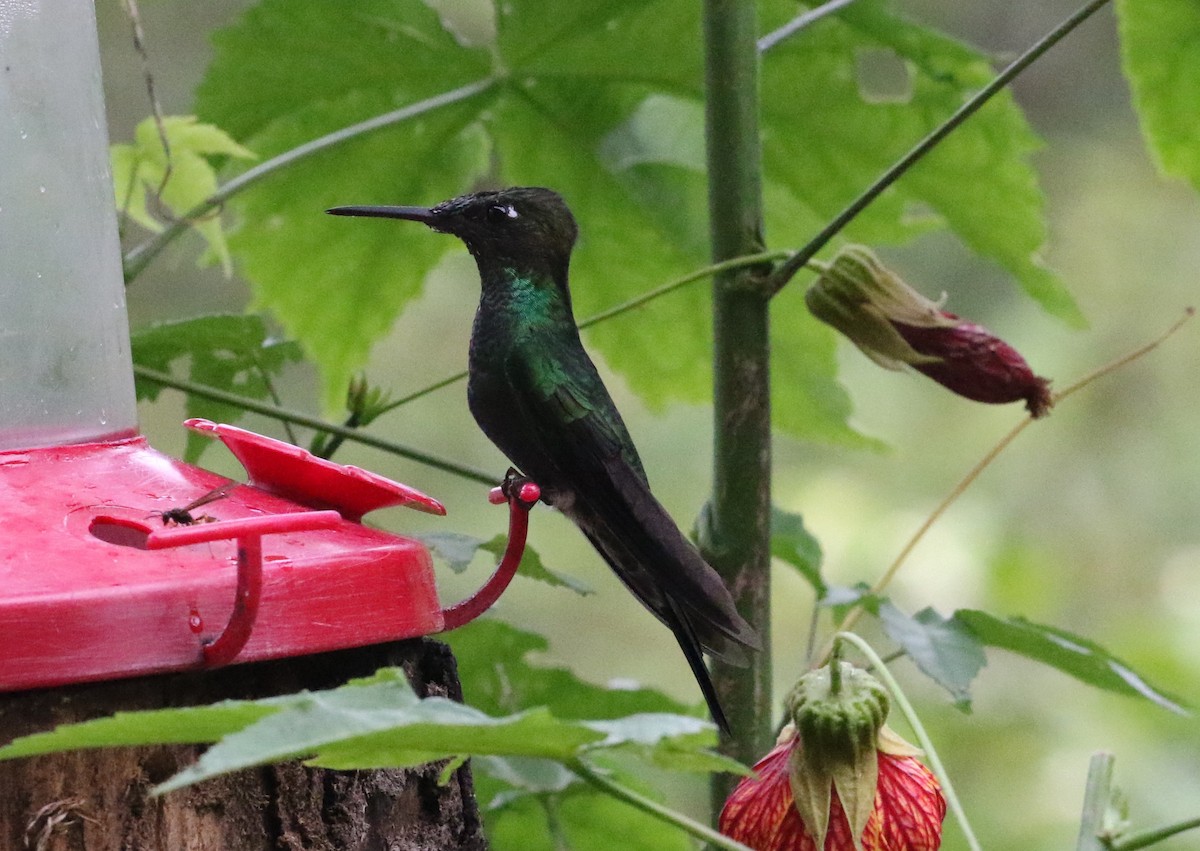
{"x": 498, "y": 213}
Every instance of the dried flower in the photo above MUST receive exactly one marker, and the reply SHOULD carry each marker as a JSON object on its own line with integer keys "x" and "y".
{"x": 894, "y": 325}
{"x": 820, "y": 788}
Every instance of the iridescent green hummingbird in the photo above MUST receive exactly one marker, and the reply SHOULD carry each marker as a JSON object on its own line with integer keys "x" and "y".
{"x": 536, "y": 394}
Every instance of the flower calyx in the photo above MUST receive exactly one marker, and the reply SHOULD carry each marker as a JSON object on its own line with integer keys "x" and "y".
{"x": 837, "y": 712}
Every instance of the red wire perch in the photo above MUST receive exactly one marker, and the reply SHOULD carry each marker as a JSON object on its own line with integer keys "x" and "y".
{"x": 249, "y": 532}
{"x": 521, "y": 494}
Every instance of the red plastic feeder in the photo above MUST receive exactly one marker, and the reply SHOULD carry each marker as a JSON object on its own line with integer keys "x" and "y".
{"x": 95, "y": 580}
{"x": 98, "y": 585}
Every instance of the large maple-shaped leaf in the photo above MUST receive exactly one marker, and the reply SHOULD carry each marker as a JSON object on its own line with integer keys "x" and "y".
{"x": 1160, "y": 52}
{"x": 823, "y": 135}
{"x": 580, "y": 97}
{"x": 316, "y": 67}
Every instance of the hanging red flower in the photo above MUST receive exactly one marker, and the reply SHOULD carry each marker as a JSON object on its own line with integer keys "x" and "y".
{"x": 857, "y": 786}
{"x": 894, "y": 325}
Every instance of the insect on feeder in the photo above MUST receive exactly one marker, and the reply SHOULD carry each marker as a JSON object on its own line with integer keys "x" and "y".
{"x": 95, "y": 584}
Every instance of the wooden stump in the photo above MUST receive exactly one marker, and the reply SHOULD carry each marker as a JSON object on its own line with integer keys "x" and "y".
{"x": 96, "y": 800}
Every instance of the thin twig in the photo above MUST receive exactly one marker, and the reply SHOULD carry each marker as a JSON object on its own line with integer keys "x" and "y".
{"x": 796, "y": 24}
{"x": 790, "y": 267}
{"x": 265, "y": 375}
{"x": 254, "y": 406}
{"x": 1152, "y": 836}
{"x": 136, "y": 259}
{"x": 139, "y": 44}
{"x": 653, "y": 808}
{"x": 616, "y": 310}
{"x": 853, "y": 616}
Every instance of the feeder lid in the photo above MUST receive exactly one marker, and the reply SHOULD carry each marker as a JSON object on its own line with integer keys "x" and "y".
{"x": 295, "y": 473}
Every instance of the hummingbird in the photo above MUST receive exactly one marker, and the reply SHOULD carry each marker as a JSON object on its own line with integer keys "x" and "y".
{"x": 535, "y": 393}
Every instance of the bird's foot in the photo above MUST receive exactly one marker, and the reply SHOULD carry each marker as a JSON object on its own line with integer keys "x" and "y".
{"x": 516, "y": 486}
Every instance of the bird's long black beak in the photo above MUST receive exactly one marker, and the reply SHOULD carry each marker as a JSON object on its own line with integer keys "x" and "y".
{"x": 412, "y": 214}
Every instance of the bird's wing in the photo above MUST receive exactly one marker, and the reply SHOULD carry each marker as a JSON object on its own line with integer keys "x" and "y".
{"x": 561, "y": 400}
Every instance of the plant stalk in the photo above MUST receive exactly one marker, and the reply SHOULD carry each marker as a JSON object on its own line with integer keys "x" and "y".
{"x": 1096, "y": 799}
{"x": 646, "y": 805}
{"x": 297, "y": 418}
{"x": 736, "y": 537}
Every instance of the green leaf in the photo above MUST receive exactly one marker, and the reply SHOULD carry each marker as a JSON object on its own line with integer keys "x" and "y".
{"x": 584, "y": 819}
{"x": 581, "y": 108}
{"x": 533, "y": 568}
{"x": 523, "y": 776}
{"x": 181, "y": 180}
{"x": 338, "y": 285}
{"x": 604, "y": 40}
{"x": 943, "y": 648}
{"x": 792, "y": 543}
{"x": 675, "y": 742}
{"x": 192, "y": 725}
{"x": 1160, "y": 54}
{"x": 498, "y": 677}
{"x": 458, "y": 551}
{"x": 232, "y": 352}
{"x": 1080, "y": 658}
{"x": 841, "y": 598}
{"x": 383, "y": 723}
{"x": 826, "y": 140}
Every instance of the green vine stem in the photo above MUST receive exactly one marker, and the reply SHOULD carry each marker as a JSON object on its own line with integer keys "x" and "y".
{"x": 785, "y": 271}
{"x": 742, "y": 262}
{"x": 1153, "y": 836}
{"x": 805, "y": 19}
{"x": 653, "y": 808}
{"x": 348, "y": 431}
{"x": 297, "y": 418}
{"x": 1095, "y": 831}
{"x": 910, "y": 715}
{"x": 136, "y": 260}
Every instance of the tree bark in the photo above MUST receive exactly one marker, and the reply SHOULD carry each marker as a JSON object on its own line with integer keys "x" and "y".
{"x": 96, "y": 800}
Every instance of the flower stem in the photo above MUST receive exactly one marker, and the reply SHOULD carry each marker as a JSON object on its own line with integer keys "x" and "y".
{"x": 853, "y": 616}
{"x": 1097, "y": 798}
{"x": 910, "y": 714}
{"x": 654, "y": 808}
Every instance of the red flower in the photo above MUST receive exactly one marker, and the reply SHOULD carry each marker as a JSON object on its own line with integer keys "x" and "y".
{"x": 907, "y": 815}
{"x": 894, "y": 325}
{"x": 976, "y": 364}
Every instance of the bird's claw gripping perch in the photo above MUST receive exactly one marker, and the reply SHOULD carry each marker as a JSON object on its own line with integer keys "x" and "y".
{"x": 521, "y": 493}
{"x": 516, "y": 487}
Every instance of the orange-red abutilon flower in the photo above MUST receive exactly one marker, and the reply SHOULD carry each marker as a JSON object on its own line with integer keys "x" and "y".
{"x": 855, "y": 786}
{"x": 907, "y": 816}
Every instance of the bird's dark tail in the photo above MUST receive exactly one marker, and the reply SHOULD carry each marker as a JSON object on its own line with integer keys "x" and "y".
{"x": 690, "y": 645}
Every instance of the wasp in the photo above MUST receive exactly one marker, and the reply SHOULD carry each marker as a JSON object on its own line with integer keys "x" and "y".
{"x": 183, "y": 516}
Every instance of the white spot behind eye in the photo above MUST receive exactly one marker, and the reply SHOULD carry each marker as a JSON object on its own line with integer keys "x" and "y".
{"x": 510, "y": 211}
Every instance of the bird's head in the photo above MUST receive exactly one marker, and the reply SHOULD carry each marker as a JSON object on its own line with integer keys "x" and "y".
{"x": 525, "y": 227}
